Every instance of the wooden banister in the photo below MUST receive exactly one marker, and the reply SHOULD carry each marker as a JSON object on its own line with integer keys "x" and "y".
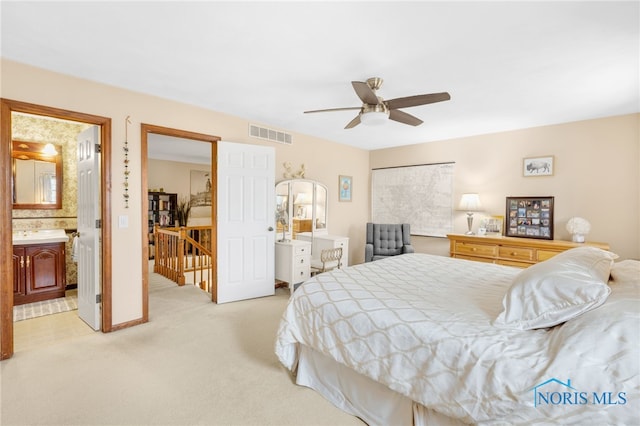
{"x": 178, "y": 253}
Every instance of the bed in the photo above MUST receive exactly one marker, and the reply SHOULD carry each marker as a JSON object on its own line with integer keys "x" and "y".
{"x": 424, "y": 339}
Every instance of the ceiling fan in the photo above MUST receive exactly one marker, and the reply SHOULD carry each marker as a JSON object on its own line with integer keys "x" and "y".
{"x": 375, "y": 110}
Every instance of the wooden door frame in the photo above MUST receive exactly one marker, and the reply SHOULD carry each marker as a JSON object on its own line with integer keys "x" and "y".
{"x": 145, "y": 129}
{"x": 8, "y": 106}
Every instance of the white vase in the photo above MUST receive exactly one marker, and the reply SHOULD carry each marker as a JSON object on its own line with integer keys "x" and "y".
{"x": 578, "y": 238}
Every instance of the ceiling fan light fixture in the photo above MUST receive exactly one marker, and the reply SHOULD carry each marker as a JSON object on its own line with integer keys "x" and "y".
{"x": 375, "y": 111}
{"x": 374, "y": 118}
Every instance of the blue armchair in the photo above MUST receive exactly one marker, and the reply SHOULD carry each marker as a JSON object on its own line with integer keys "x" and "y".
{"x": 384, "y": 240}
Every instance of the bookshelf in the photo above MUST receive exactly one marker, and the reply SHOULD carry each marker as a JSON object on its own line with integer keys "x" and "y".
{"x": 163, "y": 211}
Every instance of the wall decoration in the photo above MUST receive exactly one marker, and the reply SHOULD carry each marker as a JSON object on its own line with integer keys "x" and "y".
{"x": 290, "y": 174}
{"x": 421, "y": 195}
{"x": 530, "y": 217}
{"x": 125, "y": 148}
{"x": 345, "y": 184}
{"x": 200, "y": 197}
{"x": 537, "y": 166}
{"x": 200, "y": 188}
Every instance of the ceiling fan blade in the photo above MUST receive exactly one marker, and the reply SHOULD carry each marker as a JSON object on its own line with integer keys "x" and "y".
{"x": 403, "y": 117}
{"x": 332, "y": 109}
{"x": 365, "y": 93}
{"x": 353, "y": 123}
{"x": 410, "y": 101}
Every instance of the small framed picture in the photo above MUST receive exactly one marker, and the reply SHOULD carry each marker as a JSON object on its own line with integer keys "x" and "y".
{"x": 537, "y": 166}
{"x": 493, "y": 225}
{"x": 344, "y": 188}
{"x": 529, "y": 217}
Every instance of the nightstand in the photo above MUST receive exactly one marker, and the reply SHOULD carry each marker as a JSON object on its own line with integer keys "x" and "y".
{"x": 293, "y": 262}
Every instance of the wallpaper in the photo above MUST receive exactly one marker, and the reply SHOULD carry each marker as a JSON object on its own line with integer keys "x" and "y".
{"x": 63, "y": 134}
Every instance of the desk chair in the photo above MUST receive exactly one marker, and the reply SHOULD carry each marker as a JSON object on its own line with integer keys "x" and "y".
{"x": 329, "y": 259}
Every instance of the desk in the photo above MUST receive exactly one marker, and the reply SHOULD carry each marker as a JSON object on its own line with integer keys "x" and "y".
{"x": 325, "y": 241}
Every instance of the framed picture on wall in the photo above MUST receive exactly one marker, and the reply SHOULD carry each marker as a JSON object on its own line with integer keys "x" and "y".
{"x": 200, "y": 188}
{"x": 200, "y": 197}
{"x": 537, "y": 166}
{"x": 344, "y": 188}
{"x": 529, "y": 217}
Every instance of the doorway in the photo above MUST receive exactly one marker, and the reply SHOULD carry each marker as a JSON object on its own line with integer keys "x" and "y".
{"x": 149, "y": 131}
{"x": 6, "y": 267}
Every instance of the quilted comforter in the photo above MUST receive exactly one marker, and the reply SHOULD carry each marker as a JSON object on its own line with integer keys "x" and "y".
{"x": 423, "y": 326}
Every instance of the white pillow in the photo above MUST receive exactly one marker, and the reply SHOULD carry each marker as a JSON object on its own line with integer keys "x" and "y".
{"x": 626, "y": 271}
{"x": 556, "y": 290}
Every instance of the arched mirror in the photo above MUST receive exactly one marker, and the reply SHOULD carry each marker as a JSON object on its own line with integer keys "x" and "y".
{"x": 36, "y": 172}
{"x": 301, "y": 207}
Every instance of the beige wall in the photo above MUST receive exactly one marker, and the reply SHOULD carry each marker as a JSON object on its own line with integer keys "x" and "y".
{"x": 596, "y": 176}
{"x": 172, "y": 176}
{"x": 596, "y": 168}
{"x": 324, "y": 161}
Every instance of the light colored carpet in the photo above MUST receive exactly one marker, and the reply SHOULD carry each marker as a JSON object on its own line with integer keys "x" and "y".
{"x": 194, "y": 363}
{"x": 45, "y": 307}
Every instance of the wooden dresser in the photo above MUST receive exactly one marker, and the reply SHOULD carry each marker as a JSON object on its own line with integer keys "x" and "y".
{"x": 520, "y": 252}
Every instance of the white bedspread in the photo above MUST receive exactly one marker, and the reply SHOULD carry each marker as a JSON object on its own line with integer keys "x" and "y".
{"x": 422, "y": 325}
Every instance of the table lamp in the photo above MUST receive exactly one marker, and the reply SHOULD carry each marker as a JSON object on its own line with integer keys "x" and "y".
{"x": 470, "y": 203}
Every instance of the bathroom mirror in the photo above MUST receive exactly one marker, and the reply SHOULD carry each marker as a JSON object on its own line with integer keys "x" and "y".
{"x": 301, "y": 206}
{"x": 36, "y": 176}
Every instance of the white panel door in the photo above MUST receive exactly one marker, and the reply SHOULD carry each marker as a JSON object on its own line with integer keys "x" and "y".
{"x": 88, "y": 246}
{"x": 246, "y": 221}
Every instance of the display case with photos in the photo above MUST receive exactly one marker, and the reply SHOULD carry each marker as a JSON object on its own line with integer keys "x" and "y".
{"x": 529, "y": 217}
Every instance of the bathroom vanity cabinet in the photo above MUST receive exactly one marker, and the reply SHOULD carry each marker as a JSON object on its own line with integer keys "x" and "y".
{"x": 38, "y": 272}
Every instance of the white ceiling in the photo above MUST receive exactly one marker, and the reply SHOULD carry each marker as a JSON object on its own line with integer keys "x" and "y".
{"x": 169, "y": 148}
{"x": 507, "y": 65}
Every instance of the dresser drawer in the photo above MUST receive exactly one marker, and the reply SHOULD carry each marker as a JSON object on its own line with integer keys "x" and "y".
{"x": 477, "y": 259}
{"x": 516, "y": 253}
{"x": 546, "y": 254}
{"x": 472, "y": 249}
{"x": 303, "y": 260}
{"x": 302, "y": 250}
{"x": 514, "y": 263}
{"x": 300, "y": 274}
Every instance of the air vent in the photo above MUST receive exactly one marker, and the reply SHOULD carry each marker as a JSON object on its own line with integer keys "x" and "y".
{"x": 269, "y": 134}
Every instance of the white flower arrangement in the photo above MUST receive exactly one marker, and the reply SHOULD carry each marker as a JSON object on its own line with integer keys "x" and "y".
{"x": 578, "y": 225}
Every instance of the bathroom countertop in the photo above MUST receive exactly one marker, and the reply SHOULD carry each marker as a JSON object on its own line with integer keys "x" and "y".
{"x": 39, "y": 236}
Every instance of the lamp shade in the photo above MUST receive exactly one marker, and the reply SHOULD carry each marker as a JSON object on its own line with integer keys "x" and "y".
{"x": 470, "y": 203}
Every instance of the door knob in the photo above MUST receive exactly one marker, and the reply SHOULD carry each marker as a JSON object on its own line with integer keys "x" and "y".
{"x": 271, "y": 228}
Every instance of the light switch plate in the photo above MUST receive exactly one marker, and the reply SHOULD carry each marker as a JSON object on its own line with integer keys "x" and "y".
{"x": 123, "y": 221}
